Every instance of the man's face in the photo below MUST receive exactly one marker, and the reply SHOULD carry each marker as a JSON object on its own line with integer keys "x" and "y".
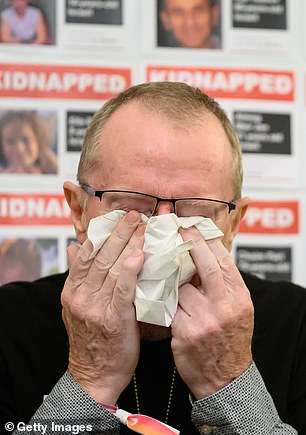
{"x": 190, "y": 21}
{"x": 147, "y": 153}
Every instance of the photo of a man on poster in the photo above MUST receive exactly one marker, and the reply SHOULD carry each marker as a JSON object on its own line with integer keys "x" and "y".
{"x": 189, "y": 24}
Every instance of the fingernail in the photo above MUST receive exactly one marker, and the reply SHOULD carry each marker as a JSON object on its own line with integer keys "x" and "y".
{"x": 132, "y": 217}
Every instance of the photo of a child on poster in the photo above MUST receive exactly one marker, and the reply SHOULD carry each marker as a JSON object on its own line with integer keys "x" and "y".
{"x": 27, "y": 143}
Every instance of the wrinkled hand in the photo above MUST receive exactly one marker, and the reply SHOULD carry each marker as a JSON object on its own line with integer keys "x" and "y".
{"x": 213, "y": 327}
{"x": 99, "y": 314}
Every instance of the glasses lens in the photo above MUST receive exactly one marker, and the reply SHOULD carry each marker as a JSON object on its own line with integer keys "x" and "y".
{"x": 128, "y": 201}
{"x": 205, "y": 208}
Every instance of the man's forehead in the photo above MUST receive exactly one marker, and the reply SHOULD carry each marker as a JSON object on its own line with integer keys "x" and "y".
{"x": 135, "y": 129}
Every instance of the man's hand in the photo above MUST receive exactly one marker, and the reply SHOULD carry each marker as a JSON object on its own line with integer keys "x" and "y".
{"x": 99, "y": 314}
{"x": 213, "y": 327}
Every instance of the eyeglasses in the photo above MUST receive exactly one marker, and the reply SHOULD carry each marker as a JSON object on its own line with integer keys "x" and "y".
{"x": 127, "y": 200}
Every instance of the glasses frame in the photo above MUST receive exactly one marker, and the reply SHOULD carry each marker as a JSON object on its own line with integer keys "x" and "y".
{"x": 99, "y": 194}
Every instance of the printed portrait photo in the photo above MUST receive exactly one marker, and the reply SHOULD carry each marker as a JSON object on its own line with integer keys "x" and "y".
{"x": 28, "y": 142}
{"x": 27, "y": 22}
{"x": 189, "y": 24}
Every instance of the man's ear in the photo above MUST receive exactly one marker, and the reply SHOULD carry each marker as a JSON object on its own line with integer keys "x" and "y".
{"x": 242, "y": 205}
{"x": 75, "y": 198}
{"x": 236, "y": 217}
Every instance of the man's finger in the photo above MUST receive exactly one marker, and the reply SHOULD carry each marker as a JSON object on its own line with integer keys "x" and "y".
{"x": 135, "y": 242}
{"x": 124, "y": 292}
{"x": 79, "y": 262}
{"x": 113, "y": 247}
{"x": 206, "y": 264}
{"x": 72, "y": 252}
{"x": 231, "y": 276}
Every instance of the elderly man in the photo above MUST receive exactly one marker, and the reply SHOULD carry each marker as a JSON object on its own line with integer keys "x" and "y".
{"x": 156, "y": 149}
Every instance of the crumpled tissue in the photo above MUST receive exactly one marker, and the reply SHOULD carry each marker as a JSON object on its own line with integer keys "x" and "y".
{"x": 167, "y": 262}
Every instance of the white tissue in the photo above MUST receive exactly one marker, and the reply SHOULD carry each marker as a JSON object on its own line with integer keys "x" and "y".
{"x": 167, "y": 263}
